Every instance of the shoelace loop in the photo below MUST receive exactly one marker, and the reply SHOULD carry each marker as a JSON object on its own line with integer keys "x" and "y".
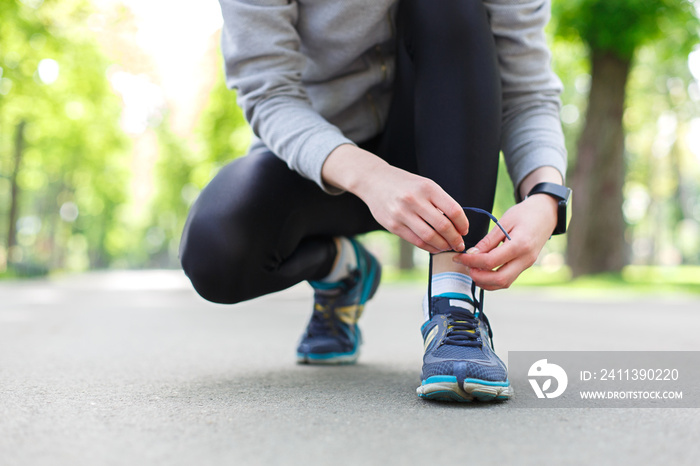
{"x": 321, "y": 321}
{"x": 462, "y": 329}
{"x": 491, "y": 216}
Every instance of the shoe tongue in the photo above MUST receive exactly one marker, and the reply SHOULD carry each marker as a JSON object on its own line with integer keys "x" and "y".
{"x": 444, "y": 305}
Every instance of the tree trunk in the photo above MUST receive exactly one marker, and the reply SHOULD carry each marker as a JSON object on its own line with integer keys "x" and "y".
{"x": 596, "y": 238}
{"x": 14, "y": 188}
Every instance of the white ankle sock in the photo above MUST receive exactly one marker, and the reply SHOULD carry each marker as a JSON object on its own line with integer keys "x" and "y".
{"x": 449, "y": 284}
{"x": 345, "y": 261}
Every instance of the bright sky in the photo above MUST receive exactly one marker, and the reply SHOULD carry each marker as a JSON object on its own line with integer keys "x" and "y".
{"x": 175, "y": 34}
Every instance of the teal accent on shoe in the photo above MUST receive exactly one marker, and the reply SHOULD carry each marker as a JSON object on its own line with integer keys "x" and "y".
{"x": 369, "y": 285}
{"x": 454, "y": 296}
{"x": 317, "y": 285}
{"x": 364, "y": 262}
{"x": 324, "y": 356}
{"x": 439, "y": 378}
{"x": 488, "y": 382}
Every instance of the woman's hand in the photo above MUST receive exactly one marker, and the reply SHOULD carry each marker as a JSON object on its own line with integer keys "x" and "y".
{"x": 416, "y": 209}
{"x": 494, "y": 263}
{"x": 410, "y": 206}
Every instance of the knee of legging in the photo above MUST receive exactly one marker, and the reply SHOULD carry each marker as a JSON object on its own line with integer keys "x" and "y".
{"x": 214, "y": 265}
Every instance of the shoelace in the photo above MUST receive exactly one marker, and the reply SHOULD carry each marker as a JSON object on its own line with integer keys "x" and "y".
{"x": 460, "y": 321}
{"x": 491, "y": 216}
{"x": 321, "y": 321}
{"x": 462, "y": 329}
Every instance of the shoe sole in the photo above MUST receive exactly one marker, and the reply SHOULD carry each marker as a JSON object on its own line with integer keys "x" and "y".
{"x": 328, "y": 359}
{"x": 446, "y": 388}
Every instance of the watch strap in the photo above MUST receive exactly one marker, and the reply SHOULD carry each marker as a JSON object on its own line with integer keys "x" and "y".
{"x": 562, "y": 195}
{"x": 557, "y": 191}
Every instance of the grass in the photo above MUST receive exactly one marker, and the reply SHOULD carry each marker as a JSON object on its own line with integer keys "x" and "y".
{"x": 633, "y": 280}
{"x": 639, "y": 280}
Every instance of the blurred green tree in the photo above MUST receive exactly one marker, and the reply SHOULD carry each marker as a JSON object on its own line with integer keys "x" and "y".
{"x": 183, "y": 169}
{"x": 62, "y": 161}
{"x": 613, "y": 32}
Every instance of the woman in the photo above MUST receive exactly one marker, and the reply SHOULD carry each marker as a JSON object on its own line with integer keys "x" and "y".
{"x": 375, "y": 114}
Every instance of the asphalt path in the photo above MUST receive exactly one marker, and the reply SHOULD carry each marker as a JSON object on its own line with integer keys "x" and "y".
{"x": 134, "y": 368}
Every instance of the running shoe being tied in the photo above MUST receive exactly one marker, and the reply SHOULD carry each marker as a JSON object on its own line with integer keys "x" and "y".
{"x": 459, "y": 363}
{"x": 332, "y": 335}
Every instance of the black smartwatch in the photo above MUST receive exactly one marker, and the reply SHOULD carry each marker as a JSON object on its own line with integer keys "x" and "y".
{"x": 562, "y": 194}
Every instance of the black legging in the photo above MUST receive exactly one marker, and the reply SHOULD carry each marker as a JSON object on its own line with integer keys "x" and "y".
{"x": 259, "y": 227}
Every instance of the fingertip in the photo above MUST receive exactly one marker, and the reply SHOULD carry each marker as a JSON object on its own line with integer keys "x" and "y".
{"x": 457, "y": 258}
{"x": 482, "y": 246}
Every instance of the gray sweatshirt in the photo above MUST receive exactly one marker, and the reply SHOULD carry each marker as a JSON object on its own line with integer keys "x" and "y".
{"x": 314, "y": 74}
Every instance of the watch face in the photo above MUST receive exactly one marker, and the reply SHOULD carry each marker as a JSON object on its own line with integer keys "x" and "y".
{"x": 562, "y": 220}
{"x": 563, "y": 215}
{"x": 569, "y": 210}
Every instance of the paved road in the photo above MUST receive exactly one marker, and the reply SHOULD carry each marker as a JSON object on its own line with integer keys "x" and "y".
{"x": 134, "y": 368}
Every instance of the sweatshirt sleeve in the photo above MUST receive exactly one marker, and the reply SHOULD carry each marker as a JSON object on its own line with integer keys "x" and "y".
{"x": 531, "y": 136}
{"x": 263, "y": 62}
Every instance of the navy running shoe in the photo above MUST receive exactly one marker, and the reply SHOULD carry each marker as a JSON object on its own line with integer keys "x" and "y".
{"x": 459, "y": 363}
{"x": 332, "y": 335}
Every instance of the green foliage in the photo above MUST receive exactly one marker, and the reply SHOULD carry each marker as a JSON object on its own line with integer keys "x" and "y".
{"x": 621, "y": 26}
{"x": 661, "y": 208}
{"x": 75, "y": 151}
{"x": 223, "y": 131}
{"x": 54, "y": 79}
{"x": 663, "y": 175}
{"x": 184, "y": 168}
